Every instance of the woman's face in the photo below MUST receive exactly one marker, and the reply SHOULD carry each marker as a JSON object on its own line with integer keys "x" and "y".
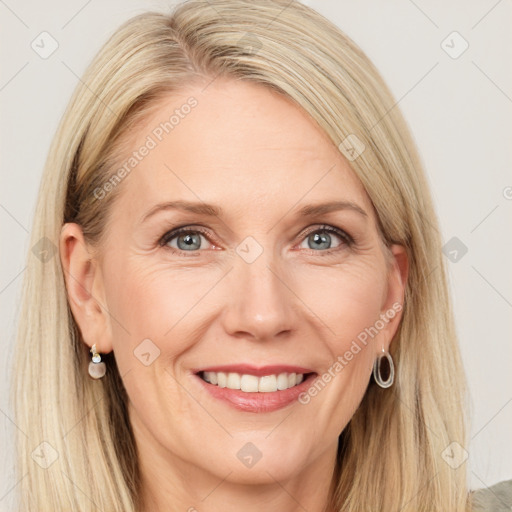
{"x": 261, "y": 286}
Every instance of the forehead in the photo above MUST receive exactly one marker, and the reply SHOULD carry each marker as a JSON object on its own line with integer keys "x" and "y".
{"x": 234, "y": 143}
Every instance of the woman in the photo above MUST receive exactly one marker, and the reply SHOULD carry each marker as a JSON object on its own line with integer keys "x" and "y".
{"x": 249, "y": 306}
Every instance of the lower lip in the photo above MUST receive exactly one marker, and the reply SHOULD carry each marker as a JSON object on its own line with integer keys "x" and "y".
{"x": 258, "y": 402}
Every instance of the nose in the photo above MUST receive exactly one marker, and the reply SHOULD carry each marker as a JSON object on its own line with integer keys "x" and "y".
{"x": 261, "y": 304}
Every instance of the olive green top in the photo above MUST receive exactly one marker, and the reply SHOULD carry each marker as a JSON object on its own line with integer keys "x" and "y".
{"x": 497, "y": 498}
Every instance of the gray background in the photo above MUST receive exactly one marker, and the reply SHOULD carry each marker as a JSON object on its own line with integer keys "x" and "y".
{"x": 459, "y": 110}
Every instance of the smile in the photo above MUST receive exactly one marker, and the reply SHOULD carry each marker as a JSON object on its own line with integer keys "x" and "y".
{"x": 251, "y": 389}
{"x": 252, "y": 383}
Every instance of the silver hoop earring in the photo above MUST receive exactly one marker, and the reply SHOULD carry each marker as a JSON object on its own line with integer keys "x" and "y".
{"x": 388, "y": 367}
{"x": 97, "y": 369}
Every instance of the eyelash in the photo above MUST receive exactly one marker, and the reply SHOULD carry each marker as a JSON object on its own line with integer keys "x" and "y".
{"x": 347, "y": 240}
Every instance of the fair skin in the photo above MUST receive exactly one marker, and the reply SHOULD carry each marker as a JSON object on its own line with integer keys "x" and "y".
{"x": 301, "y": 302}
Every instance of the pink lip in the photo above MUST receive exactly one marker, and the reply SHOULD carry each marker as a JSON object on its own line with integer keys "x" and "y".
{"x": 254, "y": 370}
{"x": 258, "y": 402}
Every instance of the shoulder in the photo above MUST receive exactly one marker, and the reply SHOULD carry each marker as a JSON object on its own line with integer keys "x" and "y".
{"x": 496, "y": 498}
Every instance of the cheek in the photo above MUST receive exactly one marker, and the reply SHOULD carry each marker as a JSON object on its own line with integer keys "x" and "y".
{"x": 148, "y": 305}
{"x": 157, "y": 301}
{"x": 347, "y": 299}
{"x": 154, "y": 301}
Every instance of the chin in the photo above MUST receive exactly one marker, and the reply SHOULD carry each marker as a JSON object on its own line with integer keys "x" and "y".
{"x": 264, "y": 457}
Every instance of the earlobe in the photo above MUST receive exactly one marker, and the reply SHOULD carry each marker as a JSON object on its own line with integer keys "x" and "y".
{"x": 84, "y": 288}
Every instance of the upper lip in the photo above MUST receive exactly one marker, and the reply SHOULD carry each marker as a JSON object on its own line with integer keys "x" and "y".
{"x": 258, "y": 371}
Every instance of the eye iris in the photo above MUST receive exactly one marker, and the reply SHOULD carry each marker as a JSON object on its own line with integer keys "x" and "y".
{"x": 192, "y": 241}
{"x": 320, "y": 239}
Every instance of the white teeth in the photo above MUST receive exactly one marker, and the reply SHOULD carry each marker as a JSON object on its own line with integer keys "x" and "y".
{"x": 268, "y": 383}
{"x": 233, "y": 381}
{"x": 252, "y": 383}
{"x": 222, "y": 379}
{"x": 249, "y": 383}
{"x": 282, "y": 381}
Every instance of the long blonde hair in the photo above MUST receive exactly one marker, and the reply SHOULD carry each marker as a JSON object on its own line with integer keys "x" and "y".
{"x": 391, "y": 453}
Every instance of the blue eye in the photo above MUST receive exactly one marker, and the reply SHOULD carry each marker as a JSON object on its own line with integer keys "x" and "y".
{"x": 319, "y": 239}
{"x": 186, "y": 239}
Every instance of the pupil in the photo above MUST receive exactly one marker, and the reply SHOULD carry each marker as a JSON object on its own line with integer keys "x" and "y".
{"x": 322, "y": 239}
{"x": 189, "y": 241}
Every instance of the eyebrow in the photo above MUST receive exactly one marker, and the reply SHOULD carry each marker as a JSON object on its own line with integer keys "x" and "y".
{"x": 192, "y": 207}
{"x": 210, "y": 210}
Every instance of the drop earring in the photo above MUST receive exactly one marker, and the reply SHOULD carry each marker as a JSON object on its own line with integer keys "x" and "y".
{"x": 389, "y": 370}
{"x": 97, "y": 369}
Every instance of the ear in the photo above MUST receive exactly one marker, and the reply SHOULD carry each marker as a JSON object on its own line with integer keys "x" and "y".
{"x": 85, "y": 290}
{"x": 391, "y": 313}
